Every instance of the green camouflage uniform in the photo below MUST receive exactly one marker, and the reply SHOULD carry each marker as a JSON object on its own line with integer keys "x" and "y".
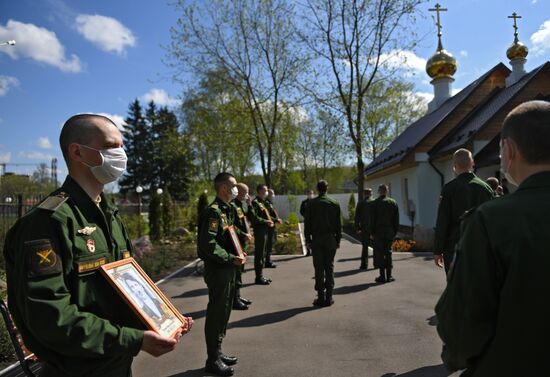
{"x": 216, "y": 249}
{"x": 323, "y": 230}
{"x": 66, "y": 311}
{"x": 260, "y": 234}
{"x": 361, "y": 224}
{"x": 459, "y": 195}
{"x": 493, "y": 315}
{"x": 383, "y": 226}
{"x": 271, "y": 232}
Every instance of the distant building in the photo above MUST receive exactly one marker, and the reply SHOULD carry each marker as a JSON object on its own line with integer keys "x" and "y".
{"x": 418, "y": 162}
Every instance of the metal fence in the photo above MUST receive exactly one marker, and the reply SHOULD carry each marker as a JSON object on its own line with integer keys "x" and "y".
{"x": 11, "y": 209}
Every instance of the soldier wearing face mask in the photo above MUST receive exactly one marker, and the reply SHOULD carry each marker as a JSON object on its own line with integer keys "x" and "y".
{"x": 243, "y": 219}
{"x": 271, "y": 232}
{"x": 262, "y": 223}
{"x": 67, "y": 313}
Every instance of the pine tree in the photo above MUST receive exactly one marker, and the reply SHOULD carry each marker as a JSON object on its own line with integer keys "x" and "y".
{"x": 351, "y": 207}
{"x": 138, "y": 143}
{"x": 155, "y": 217}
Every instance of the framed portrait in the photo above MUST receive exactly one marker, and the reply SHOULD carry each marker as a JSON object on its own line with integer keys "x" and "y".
{"x": 235, "y": 240}
{"x": 248, "y": 227}
{"x": 148, "y": 302}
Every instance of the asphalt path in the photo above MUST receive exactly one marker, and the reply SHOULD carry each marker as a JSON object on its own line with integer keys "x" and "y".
{"x": 378, "y": 330}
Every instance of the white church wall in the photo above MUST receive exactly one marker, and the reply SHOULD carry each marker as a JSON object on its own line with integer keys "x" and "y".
{"x": 396, "y": 183}
{"x": 285, "y": 204}
{"x": 429, "y": 190}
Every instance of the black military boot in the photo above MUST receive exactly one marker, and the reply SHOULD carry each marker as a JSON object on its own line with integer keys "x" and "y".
{"x": 262, "y": 281}
{"x": 320, "y": 300}
{"x": 239, "y": 305}
{"x": 228, "y": 360}
{"x": 216, "y": 366}
{"x": 389, "y": 278}
{"x": 245, "y": 301}
{"x": 328, "y": 300}
{"x": 382, "y": 277}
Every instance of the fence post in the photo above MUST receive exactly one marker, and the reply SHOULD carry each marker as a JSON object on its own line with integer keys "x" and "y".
{"x": 19, "y": 205}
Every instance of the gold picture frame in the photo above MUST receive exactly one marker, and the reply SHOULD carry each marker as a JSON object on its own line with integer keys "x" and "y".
{"x": 235, "y": 240}
{"x": 152, "y": 307}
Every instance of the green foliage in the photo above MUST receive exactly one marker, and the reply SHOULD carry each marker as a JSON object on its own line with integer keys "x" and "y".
{"x": 155, "y": 218}
{"x": 351, "y": 207}
{"x": 168, "y": 218}
{"x": 133, "y": 223}
{"x": 287, "y": 228}
{"x": 293, "y": 218}
{"x": 288, "y": 245}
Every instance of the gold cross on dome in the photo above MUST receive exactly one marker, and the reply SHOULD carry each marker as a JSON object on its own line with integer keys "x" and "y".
{"x": 438, "y": 10}
{"x": 515, "y": 17}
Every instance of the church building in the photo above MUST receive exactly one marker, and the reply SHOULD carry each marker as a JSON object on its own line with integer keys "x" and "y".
{"x": 418, "y": 162}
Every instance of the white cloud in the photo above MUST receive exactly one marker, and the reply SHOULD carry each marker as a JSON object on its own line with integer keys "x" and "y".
{"x": 5, "y": 157}
{"x": 117, "y": 119}
{"x": 534, "y": 1}
{"x": 6, "y": 83}
{"x": 106, "y": 33}
{"x": 464, "y": 53}
{"x": 37, "y": 43}
{"x": 44, "y": 143}
{"x": 35, "y": 155}
{"x": 403, "y": 59}
{"x": 427, "y": 96}
{"x": 541, "y": 39}
{"x": 160, "y": 97}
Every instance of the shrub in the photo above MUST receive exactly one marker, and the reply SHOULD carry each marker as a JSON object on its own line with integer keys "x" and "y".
{"x": 288, "y": 245}
{"x": 155, "y": 218}
{"x": 168, "y": 219}
{"x": 201, "y": 204}
{"x": 7, "y": 353}
{"x": 293, "y": 218}
{"x": 403, "y": 245}
{"x": 133, "y": 223}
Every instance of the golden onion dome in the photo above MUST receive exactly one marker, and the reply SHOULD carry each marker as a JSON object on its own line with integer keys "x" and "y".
{"x": 441, "y": 64}
{"x": 517, "y": 51}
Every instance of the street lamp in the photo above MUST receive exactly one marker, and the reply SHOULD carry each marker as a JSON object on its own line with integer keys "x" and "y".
{"x": 159, "y": 191}
{"x": 139, "y": 190}
{"x": 8, "y": 43}
{"x": 8, "y": 199}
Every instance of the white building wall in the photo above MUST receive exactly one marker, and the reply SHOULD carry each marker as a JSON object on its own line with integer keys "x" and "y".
{"x": 285, "y": 204}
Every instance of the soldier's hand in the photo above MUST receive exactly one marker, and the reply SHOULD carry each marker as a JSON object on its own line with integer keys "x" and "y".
{"x": 239, "y": 261}
{"x": 438, "y": 259}
{"x": 248, "y": 236}
{"x": 157, "y": 345}
{"x": 187, "y": 325}
{"x": 270, "y": 224}
{"x": 280, "y": 221}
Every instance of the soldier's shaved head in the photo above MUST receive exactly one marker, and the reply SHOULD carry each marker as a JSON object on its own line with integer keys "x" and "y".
{"x": 81, "y": 129}
{"x": 528, "y": 125}
{"x": 493, "y": 182}
{"x": 462, "y": 159}
{"x": 242, "y": 187}
{"x": 383, "y": 189}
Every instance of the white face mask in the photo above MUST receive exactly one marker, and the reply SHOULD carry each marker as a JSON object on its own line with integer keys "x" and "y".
{"x": 507, "y": 175}
{"x": 234, "y": 192}
{"x": 113, "y": 164}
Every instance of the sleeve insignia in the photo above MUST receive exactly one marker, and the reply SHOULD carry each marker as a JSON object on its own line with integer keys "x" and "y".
{"x": 213, "y": 227}
{"x": 240, "y": 213}
{"x": 42, "y": 259}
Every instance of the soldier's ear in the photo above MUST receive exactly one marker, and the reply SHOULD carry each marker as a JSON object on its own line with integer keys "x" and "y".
{"x": 73, "y": 151}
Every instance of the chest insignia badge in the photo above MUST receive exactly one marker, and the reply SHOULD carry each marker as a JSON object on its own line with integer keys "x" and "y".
{"x": 90, "y": 244}
{"x": 87, "y": 230}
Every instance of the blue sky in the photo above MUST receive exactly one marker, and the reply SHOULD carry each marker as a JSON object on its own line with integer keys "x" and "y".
{"x": 97, "y": 56}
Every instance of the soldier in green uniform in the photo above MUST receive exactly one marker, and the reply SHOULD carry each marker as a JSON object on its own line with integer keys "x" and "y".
{"x": 459, "y": 195}
{"x": 323, "y": 233}
{"x": 67, "y": 313}
{"x": 493, "y": 315}
{"x": 361, "y": 226}
{"x": 271, "y": 232}
{"x": 242, "y": 221}
{"x": 383, "y": 226}
{"x": 220, "y": 264}
{"x": 262, "y": 223}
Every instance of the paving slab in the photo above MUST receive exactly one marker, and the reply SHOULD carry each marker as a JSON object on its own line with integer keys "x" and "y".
{"x": 372, "y": 330}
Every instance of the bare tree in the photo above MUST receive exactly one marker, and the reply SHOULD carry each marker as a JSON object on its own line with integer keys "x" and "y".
{"x": 255, "y": 43}
{"x": 355, "y": 42}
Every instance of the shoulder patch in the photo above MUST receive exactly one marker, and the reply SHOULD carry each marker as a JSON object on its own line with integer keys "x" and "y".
{"x": 52, "y": 203}
{"x": 42, "y": 258}
{"x": 213, "y": 225}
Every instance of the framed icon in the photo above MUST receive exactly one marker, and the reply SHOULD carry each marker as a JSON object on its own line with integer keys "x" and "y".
{"x": 235, "y": 241}
{"x": 146, "y": 300}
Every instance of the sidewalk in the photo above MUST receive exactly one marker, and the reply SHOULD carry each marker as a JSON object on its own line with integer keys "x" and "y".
{"x": 372, "y": 330}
